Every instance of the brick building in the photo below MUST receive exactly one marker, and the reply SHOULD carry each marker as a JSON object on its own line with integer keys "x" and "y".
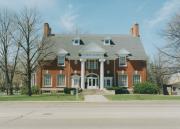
{"x": 92, "y": 61}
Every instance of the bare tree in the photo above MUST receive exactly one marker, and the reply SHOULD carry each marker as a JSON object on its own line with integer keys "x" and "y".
{"x": 9, "y": 49}
{"x": 172, "y": 35}
{"x": 33, "y": 44}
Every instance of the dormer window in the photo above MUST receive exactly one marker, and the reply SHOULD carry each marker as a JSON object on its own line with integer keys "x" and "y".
{"x": 107, "y": 42}
{"x": 61, "y": 60}
{"x": 76, "y": 41}
{"x": 122, "y": 61}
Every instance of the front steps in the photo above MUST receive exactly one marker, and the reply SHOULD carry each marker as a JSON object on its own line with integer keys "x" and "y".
{"x": 97, "y": 92}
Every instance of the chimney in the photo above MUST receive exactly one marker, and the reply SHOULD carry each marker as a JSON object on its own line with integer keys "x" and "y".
{"x": 135, "y": 30}
{"x": 47, "y": 30}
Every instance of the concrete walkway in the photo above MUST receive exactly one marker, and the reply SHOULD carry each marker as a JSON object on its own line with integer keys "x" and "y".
{"x": 95, "y": 98}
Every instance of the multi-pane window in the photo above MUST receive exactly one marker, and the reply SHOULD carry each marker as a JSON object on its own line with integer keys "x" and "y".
{"x": 92, "y": 64}
{"x": 60, "y": 80}
{"x": 136, "y": 79}
{"x": 122, "y": 61}
{"x": 122, "y": 80}
{"x": 47, "y": 80}
{"x": 61, "y": 60}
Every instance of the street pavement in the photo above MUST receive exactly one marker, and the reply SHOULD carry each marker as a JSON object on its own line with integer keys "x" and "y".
{"x": 90, "y": 115}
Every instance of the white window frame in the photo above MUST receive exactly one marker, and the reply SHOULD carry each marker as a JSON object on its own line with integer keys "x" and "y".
{"x": 58, "y": 80}
{"x": 50, "y": 81}
{"x": 120, "y": 82}
{"x": 105, "y": 82}
{"x": 58, "y": 60}
{"x": 125, "y": 59}
{"x": 139, "y": 78}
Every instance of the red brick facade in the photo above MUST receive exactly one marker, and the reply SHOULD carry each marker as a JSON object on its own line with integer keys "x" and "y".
{"x": 71, "y": 68}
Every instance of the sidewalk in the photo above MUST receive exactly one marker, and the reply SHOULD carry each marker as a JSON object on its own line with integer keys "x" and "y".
{"x": 95, "y": 98}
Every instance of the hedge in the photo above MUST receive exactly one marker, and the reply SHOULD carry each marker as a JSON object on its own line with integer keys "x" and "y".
{"x": 146, "y": 88}
{"x": 119, "y": 90}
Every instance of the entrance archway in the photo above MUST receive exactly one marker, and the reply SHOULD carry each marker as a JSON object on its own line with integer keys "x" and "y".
{"x": 92, "y": 81}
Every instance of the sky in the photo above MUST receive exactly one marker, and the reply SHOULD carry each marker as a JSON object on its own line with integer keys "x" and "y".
{"x": 105, "y": 17}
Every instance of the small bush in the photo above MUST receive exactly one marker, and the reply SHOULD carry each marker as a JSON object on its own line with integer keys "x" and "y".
{"x": 2, "y": 88}
{"x": 16, "y": 88}
{"x": 146, "y": 88}
{"x": 24, "y": 90}
{"x": 35, "y": 90}
{"x": 119, "y": 90}
{"x": 68, "y": 90}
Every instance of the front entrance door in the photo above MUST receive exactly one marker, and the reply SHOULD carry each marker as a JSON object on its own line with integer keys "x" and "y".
{"x": 92, "y": 82}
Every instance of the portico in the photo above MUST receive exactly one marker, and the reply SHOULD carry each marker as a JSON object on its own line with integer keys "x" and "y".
{"x": 92, "y": 52}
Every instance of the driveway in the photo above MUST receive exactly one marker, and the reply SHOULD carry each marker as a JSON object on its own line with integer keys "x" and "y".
{"x": 82, "y": 115}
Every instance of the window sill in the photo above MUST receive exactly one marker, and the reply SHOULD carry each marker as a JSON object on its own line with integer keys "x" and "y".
{"x": 122, "y": 65}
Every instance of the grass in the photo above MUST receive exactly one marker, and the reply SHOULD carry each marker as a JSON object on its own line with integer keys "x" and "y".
{"x": 41, "y": 98}
{"x": 141, "y": 97}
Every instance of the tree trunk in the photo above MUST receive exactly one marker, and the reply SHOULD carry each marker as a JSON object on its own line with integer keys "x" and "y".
{"x": 11, "y": 89}
{"x": 29, "y": 82}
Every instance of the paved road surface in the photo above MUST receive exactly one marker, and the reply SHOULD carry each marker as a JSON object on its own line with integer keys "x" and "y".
{"x": 117, "y": 115}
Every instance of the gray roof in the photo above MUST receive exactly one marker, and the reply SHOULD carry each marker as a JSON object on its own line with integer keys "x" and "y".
{"x": 129, "y": 43}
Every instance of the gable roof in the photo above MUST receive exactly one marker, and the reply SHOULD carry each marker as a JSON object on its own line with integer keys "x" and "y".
{"x": 92, "y": 48}
{"x": 95, "y": 42}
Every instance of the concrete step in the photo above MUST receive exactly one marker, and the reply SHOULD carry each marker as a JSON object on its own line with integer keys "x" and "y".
{"x": 97, "y": 92}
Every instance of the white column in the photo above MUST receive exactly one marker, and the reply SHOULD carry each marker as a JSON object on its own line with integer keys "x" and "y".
{"x": 82, "y": 72}
{"x": 101, "y": 73}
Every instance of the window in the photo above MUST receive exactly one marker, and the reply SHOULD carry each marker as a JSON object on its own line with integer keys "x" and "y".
{"x": 107, "y": 42}
{"x": 136, "y": 79}
{"x": 122, "y": 80}
{"x": 47, "y": 80}
{"x": 76, "y": 41}
{"x": 33, "y": 79}
{"x": 122, "y": 61}
{"x": 107, "y": 82}
{"x": 60, "y": 80}
{"x": 76, "y": 81}
{"x": 92, "y": 64}
{"x": 61, "y": 60}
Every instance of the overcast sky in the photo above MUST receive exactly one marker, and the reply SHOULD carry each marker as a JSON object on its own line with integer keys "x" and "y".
{"x": 105, "y": 16}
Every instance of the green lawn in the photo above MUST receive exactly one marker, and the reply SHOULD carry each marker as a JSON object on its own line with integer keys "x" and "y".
{"x": 141, "y": 97}
{"x": 41, "y": 98}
